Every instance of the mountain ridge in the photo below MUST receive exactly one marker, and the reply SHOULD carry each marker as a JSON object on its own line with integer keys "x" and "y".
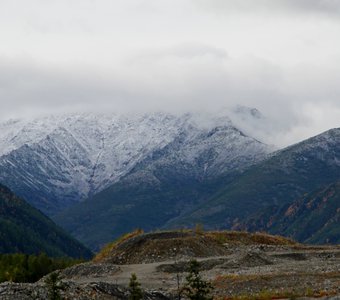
{"x": 163, "y": 185}
{"x": 71, "y": 158}
{"x": 277, "y": 181}
{"x": 158, "y": 171}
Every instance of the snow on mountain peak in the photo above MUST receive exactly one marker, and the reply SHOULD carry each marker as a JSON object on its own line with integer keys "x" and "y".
{"x": 80, "y": 154}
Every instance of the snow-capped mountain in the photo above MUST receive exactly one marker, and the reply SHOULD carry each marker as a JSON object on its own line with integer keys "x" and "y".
{"x": 168, "y": 190}
{"x": 58, "y": 160}
{"x": 267, "y": 192}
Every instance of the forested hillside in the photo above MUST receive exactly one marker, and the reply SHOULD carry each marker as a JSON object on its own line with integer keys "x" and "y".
{"x": 24, "y": 229}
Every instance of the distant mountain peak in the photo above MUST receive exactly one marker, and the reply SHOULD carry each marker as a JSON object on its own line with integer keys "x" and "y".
{"x": 322, "y": 141}
{"x": 70, "y": 157}
{"x": 246, "y": 112}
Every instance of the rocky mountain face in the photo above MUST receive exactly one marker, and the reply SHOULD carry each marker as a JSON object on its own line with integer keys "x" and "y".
{"x": 54, "y": 162}
{"x": 286, "y": 182}
{"x": 24, "y": 229}
{"x": 313, "y": 218}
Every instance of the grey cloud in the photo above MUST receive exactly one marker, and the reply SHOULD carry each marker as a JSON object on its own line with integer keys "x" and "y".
{"x": 184, "y": 56}
{"x": 27, "y": 89}
{"x": 295, "y": 101}
{"x": 329, "y": 7}
{"x": 173, "y": 55}
{"x": 188, "y": 51}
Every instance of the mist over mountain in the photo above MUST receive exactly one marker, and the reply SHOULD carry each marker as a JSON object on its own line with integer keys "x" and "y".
{"x": 54, "y": 162}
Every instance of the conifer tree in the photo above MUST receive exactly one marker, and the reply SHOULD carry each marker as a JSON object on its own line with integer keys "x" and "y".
{"x": 134, "y": 287}
{"x": 54, "y": 285}
{"x": 195, "y": 287}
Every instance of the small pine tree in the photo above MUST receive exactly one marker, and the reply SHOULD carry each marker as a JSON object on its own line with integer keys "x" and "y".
{"x": 134, "y": 287}
{"x": 195, "y": 287}
{"x": 54, "y": 285}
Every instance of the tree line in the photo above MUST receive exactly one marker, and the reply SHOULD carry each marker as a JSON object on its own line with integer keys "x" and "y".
{"x": 30, "y": 268}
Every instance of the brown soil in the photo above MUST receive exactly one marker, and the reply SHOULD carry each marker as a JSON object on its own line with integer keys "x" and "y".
{"x": 239, "y": 265}
{"x": 156, "y": 247}
{"x": 239, "y": 269}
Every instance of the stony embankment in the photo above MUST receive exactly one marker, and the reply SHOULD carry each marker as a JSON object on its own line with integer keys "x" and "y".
{"x": 72, "y": 291}
{"x": 239, "y": 265}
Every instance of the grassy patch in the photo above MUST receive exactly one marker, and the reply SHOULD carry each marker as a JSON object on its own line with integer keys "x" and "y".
{"x": 266, "y": 277}
{"x": 269, "y": 295}
{"x": 105, "y": 252}
{"x": 279, "y": 294}
{"x": 246, "y": 238}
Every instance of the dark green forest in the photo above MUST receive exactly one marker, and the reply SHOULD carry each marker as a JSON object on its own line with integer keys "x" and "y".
{"x": 30, "y": 268}
{"x": 24, "y": 229}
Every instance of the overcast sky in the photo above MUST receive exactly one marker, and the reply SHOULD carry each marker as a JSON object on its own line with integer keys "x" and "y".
{"x": 280, "y": 56}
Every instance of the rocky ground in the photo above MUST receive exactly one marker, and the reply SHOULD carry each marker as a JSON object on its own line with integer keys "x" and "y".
{"x": 239, "y": 267}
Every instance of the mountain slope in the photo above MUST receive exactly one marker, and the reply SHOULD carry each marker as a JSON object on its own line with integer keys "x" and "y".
{"x": 25, "y": 229}
{"x": 276, "y": 182}
{"x": 164, "y": 185}
{"x": 313, "y": 218}
{"x": 54, "y": 162}
{"x": 49, "y": 173}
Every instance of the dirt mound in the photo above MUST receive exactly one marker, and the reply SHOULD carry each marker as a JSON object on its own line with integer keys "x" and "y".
{"x": 233, "y": 238}
{"x": 293, "y": 255}
{"x": 89, "y": 269}
{"x": 162, "y": 246}
{"x": 183, "y": 266}
{"x": 248, "y": 259}
{"x": 253, "y": 259}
